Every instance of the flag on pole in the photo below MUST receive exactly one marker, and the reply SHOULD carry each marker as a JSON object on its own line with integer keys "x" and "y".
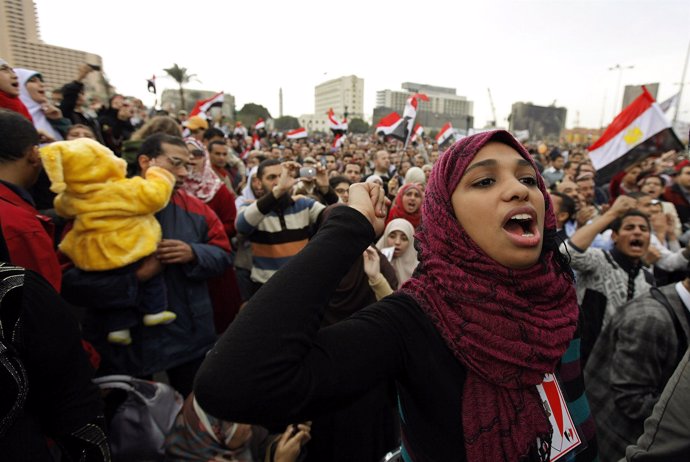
{"x": 151, "y": 84}
{"x": 410, "y": 114}
{"x": 446, "y": 132}
{"x": 389, "y": 123}
{"x": 335, "y": 126}
{"x": 296, "y": 134}
{"x": 639, "y": 131}
{"x": 259, "y": 124}
{"x": 417, "y": 133}
{"x": 203, "y": 105}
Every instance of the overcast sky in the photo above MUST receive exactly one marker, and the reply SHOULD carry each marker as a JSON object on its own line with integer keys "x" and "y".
{"x": 537, "y": 51}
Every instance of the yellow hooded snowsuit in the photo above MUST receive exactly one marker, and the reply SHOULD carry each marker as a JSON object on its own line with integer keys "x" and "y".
{"x": 113, "y": 215}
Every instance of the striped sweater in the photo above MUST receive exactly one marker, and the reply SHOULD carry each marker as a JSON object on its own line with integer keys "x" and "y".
{"x": 277, "y": 229}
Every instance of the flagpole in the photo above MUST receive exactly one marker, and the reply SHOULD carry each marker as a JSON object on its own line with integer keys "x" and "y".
{"x": 682, "y": 82}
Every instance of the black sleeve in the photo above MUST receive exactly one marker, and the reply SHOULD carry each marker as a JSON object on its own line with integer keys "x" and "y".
{"x": 58, "y": 369}
{"x": 70, "y": 93}
{"x": 273, "y": 365}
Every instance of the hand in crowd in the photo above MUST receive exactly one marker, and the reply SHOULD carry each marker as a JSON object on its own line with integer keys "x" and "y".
{"x": 659, "y": 224}
{"x": 372, "y": 264}
{"x": 670, "y": 227}
{"x": 172, "y": 251}
{"x": 291, "y": 441}
{"x": 288, "y": 178}
{"x": 652, "y": 256}
{"x": 622, "y": 205}
{"x": 149, "y": 267}
{"x": 44, "y": 137}
{"x": 370, "y": 200}
{"x": 393, "y": 186}
{"x": 84, "y": 70}
{"x": 585, "y": 214}
{"x": 322, "y": 178}
{"x": 51, "y": 112}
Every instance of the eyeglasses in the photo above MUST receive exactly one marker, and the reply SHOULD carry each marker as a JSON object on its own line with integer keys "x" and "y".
{"x": 197, "y": 152}
{"x": 177, "y": 163}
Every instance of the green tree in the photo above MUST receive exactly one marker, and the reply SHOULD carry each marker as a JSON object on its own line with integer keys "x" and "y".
{"x": 251, "y": 112}
{"x": 286, "y": 123}
{"x": 357, "y": 125}
{"x": 180, "y": 75}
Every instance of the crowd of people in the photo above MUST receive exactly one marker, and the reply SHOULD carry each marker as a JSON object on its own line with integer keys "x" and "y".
{"x": 316, "y": 301}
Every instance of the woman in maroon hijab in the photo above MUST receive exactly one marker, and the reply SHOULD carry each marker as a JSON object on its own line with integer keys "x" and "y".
{"x": 476, "y": 341}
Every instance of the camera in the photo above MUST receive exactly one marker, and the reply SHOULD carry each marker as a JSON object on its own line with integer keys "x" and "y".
{"x": 307, "y": 172}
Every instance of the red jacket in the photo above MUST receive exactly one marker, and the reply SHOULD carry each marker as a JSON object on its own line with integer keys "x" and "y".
{"x": 29, "y": 237}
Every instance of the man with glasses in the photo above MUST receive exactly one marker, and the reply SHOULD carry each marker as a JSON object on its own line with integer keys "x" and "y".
{"x": 194, "y": 248}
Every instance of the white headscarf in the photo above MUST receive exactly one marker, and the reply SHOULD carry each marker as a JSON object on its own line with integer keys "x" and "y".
{"x": 406, "y": 263}
{"x": 247, "y": 193}
{"x": 40, "y": 120}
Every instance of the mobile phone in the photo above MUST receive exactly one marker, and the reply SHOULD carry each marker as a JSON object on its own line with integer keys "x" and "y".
{"x": 323, "y": 161}
{"x": 307, "y": 172}
{"x": 95, "y": 67}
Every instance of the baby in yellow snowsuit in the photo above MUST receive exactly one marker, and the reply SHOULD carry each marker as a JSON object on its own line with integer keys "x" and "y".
{"x": 114, "y": 227}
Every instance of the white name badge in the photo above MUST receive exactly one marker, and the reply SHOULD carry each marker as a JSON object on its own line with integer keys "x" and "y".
{"x": 565, "y": 437}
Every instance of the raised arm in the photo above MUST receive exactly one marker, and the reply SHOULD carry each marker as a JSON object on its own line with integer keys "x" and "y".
{"x": 584, "y": 236}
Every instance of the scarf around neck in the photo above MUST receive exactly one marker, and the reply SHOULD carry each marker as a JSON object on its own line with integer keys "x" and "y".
{"x": 13, "y": 103}
{"x": 508, "y": 327}
{"x": 205, "y": 184}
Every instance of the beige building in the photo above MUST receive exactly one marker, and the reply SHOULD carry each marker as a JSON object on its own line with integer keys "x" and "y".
{"x": 21, "y": 46}
{"x": 444, "y": 106}
{"x": 344, "y": 94}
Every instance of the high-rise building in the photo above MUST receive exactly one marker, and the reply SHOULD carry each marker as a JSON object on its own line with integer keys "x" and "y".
{"x": 21, "y": 46}
{"x": 444, "y": 106}
{"x": 344, "y": 95}
{"x": 543, "y": 122}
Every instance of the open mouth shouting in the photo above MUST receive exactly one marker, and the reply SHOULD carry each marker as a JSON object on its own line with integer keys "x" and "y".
{"x": 520, "y": 225}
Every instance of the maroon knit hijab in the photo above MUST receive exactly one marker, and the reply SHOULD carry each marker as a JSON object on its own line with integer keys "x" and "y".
{"x": 508, "y": 327}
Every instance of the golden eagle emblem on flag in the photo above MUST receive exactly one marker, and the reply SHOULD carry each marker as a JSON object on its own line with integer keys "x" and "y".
{"x": 633, "y": 135}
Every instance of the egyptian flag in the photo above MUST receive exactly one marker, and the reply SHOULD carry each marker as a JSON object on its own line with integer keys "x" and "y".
{"x": 259, "y": 124}
{"x": 296, "y": 134}
{"x": 338, "y": 142}
{"x": 417, "y": 133}
{"x": 338, "y": 128}
{"x": 410, "y": 114}
{"x": 387, "y": 125}
{"x": 151, "y": 85}
{"x": 203, "y": 105}
{"x": 638, "y": 132}
{"x": 447, "y": 132}
{"x": 256, "y": 141}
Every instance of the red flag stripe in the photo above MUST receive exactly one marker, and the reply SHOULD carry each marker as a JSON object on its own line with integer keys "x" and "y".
{"x": 625, "y": 118}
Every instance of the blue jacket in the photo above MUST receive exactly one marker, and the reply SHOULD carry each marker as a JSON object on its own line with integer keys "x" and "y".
{"x": 159, "y": 348}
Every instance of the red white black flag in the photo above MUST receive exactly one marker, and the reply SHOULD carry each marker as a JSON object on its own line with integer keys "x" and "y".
{"x": 203, "y": 105}
{"x": 639, "y": 131}
{"x": 296, "y": 134}
{"x": 446, "y": 132}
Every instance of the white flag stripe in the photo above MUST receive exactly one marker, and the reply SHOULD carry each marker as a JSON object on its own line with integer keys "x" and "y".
{"x": 646, "y": 125}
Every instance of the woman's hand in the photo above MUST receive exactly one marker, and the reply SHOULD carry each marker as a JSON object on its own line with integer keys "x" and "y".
{"x": 372, "y": 264}
{"x": 370, "y": 200}
{"x": 291, "y": 441}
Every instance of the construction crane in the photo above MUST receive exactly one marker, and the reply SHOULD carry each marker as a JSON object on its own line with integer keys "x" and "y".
{"x": 492, "y": 123}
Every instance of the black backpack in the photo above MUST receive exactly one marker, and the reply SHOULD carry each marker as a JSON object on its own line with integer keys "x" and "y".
{"x": 13, "y": 378}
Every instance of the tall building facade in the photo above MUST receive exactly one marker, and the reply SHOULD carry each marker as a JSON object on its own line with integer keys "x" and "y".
{"x": 444, "y": 106}
{"x": 21, "y": 46}
{"x": 543, "y": 122}
{"x": 344, "y": 95}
